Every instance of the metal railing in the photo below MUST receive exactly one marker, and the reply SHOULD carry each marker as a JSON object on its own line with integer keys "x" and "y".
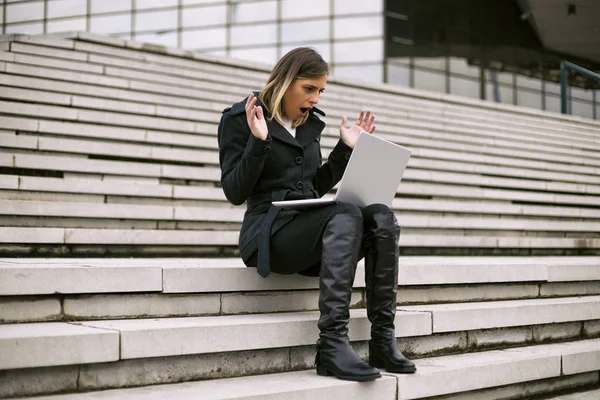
{"x": 565, "y": 67}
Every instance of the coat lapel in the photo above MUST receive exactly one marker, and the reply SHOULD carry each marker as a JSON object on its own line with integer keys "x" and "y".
{"x": 280, "y": 133}
{"x": 309, "y": 131}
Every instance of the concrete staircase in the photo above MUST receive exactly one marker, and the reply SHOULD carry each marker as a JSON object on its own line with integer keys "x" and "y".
{"x": 108, "y": 152}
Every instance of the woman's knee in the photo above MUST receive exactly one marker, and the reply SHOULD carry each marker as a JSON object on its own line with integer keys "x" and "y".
{"x": 371, "y": 210}
{"x": 348, "y": 209}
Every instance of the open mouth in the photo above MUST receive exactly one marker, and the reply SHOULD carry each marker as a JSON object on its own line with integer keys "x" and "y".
{"x": 304, "y": 110}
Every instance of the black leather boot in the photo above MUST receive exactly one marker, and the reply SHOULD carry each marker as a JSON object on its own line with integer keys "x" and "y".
{"x": 335, "y": 356}
{"x": 381, "y": 276}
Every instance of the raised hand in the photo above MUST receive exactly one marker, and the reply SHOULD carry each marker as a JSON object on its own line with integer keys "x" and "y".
{"x": 364, "y": 123}
{"x": 256, "y": 118}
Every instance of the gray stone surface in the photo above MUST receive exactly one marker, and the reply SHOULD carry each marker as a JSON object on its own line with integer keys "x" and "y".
{"x": 499, "y": 314}
{"x": 89, "y": 210}
{"x": 421, "y": 346}
{"x": 150, "y": 236}
{"x": 38, "y": 381}
{"x": 499, "y": 337}
{"x": 522, "y": 390}
{"x": 31, "y": 235}
{"x": 54, "y": 343}
{"x": 303, "y": 385}
{"x": 451, "y": 374}
{"x": 583, "y": 356}
{"x": 557, "y": 331}
{"x": 193, "y": 335}
{"x": 30, "y": 48}
{"x": 591, "y": 328}
{"x": 583, "y": 272}
{"x": 553, "y": 289}
{"x": 264, "y": 302}
{"x": 587, "y": 395}
{"x": 73, "y": 277}
{"x": 436, "y": 294}
{"x": 160, "y": 370}
{"x": 141, "y": 306}
{"x": 18, "y": 309}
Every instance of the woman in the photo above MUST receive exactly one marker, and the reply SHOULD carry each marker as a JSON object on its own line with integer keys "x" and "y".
{"x": 269, "y": 150}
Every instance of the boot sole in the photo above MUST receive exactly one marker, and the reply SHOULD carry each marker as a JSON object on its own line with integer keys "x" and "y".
{"x": 322, "y": 371}
{"x": 410, "y": 370}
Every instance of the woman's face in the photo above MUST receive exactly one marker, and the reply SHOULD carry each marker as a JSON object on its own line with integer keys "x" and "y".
{"x": 302, "y": 95}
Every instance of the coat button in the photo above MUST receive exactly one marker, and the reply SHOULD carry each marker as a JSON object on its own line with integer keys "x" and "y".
{"x": 267, "y": 149}
{"x": 299, "y": 160}
{"x": 299, "y": 184}
{"x": 347, "y": 156}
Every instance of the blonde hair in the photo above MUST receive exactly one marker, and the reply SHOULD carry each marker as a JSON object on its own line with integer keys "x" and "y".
{"x": 300, "y": 63}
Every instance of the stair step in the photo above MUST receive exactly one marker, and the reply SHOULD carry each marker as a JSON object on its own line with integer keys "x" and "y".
{"x": 22, "y": 276}
{"x": 589, "y": 395}
{"x": 435, "y": 377}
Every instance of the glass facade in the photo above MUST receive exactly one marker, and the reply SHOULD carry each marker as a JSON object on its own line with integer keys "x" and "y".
{"x": 432, "y": 45}
{"x": 479, "y": 49}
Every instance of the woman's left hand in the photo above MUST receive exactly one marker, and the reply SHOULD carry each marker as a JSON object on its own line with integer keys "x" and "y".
{"x": 364, "y": 122}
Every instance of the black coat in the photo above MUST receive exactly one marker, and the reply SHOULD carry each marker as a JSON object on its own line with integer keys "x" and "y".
{"x": 280, "y": 167}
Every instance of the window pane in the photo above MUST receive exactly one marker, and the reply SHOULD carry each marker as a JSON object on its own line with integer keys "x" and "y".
{"x": 582, "y": 108}
{"x": 100, "y": 6}
{"x": 358, "y": 6}
{"x": 304, "y": 8}
{"x": 529, "y": 99}
{"x": 504, "y": 92}
{"x": 464, "y": 87}
{"x": 304, "y": 31}
{"x": 155, "y": 20}
{"x": 357, "y": 27}
{"x": 204, "y": 39}
{"x": 527, "y": 82}
{"x": 216, "y": 52}
{"x": 77, "y": 24}
{"x": 398, "y": 74}
{"x": 552, "y": 103}
{"x": 146, "y": 4}
{"x": 111, "y": 23}
{"x": 461, "y": 66}
{"x": 364, "y": 51}
{"x": 28, "y": 29}
{"x": 264, "y": 55}
{"x": 501, "y": 77}
{"x": 582, "y": 93}
{"x": 204, "y": 16}
{"x": 428, "y": 80}
{"x": 250, "y": 12}
{"x": 66, "y": 8}
{"x": 552, "y": 87}
{"x": 166, "y": 39}
{"x": 370, "y": 73}
{"x": 20, "y": 12}
{"x": 437, "y": 63}
{"x": 257, "y": 34}
{"x": 186, "y": 2}
{"x": 323, "y": 48}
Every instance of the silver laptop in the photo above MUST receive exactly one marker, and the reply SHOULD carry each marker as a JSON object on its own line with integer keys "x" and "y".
{"x": 372, "y": 176}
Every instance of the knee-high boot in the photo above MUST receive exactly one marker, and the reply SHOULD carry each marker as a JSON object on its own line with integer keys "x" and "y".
{"x": 335, "y": 356}
{"x": 381, "y": 276}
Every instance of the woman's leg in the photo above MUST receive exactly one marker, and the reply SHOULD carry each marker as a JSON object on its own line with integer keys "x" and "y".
{"x": 381, "y": 235}
{"x": 330, "y": 237}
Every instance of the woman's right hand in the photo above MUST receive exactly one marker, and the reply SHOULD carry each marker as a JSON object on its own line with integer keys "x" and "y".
{"x": 256, "y": 118}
